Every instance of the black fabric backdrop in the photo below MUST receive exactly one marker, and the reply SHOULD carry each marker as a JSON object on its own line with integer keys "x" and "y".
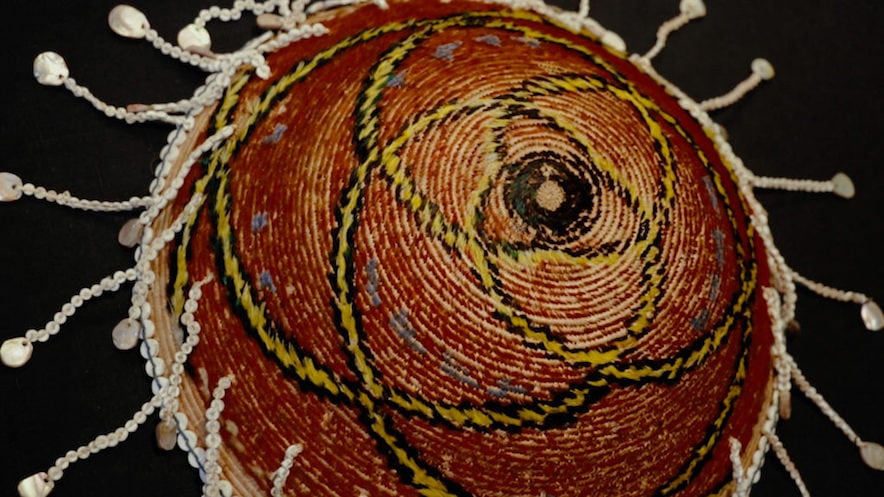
{"x": 820, "y": 115}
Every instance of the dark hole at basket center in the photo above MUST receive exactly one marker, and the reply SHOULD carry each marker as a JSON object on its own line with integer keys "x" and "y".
{"x": 549, "y": 194}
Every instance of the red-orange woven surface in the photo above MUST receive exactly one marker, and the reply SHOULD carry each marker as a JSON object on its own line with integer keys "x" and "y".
{"x": 461, "y": 250}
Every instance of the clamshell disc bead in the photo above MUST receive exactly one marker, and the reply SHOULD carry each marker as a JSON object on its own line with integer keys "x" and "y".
{"x": 270, "y": 21}
{"x": 126, "y": 334}
{"x": 785, "y": 405}
{"x": 36, "y": 485}
{"x": 194, "y": 38}
{"x": 50, "y": 69}
{"x": 10, "y": 187}
{"x": 167, "y": 435}
{"x": 873, "y": 455}
{"x": 872, "y": 316}
{"x": 128, "y": 21}
{"x": 130, "y": 233}
{"x": 842, "y": 186}
{"x": 763, "y": 69}
{"x": 16, "y": 352}
{"x": 693, "y": 8}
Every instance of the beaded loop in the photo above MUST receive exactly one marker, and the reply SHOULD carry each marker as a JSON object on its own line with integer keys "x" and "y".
{"x": 689, "y": 10}
{"x": 761, "y": 70}
{"x": 213, "y": 480}
{"x": 285, "y": 467}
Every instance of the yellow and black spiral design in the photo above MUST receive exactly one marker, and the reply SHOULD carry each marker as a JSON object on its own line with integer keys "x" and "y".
{"x": 451, "y": 240}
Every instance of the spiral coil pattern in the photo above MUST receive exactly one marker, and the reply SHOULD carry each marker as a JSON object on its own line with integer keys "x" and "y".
{"x": 465, "y": 251}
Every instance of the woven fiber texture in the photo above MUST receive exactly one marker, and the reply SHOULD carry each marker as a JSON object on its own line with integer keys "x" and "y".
{"x": 461, "y": 250}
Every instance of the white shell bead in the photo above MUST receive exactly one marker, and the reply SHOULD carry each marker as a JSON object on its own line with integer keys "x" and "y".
{"x": 158, "y": 384}
{"x": 269, "y": 21}
{"x": 126, "y": 334}
{"x": 693, "y": 8}
{"x": 16, "y": 352}
{"x": 34, "y": 486}
{"x": 194, "y": 38}
{"x": 763, "y": 68}
{"x": 225, "y": 488}
{"x": 10, "y": 187}
{"x": 167, "y": 435}
{"x": 50, "y": 69}
{"x": 872, "y": 316}
{"x": 613, "y": 40}
{"x": 155, "y": 367}
{"x": 785, "y": 405}
{"x": 130, "y": 233}
{"x": 872, "y": 454}
{"x": 128, "y": 21}
{"x": 181, "y": 420}
{"x": 842, "y": 186}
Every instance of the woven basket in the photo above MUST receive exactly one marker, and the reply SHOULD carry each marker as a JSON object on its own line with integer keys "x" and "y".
{"x": 460, "y": 250}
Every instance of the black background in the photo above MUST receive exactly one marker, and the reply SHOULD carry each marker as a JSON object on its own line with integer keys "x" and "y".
{"x": 820, "y": 115}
